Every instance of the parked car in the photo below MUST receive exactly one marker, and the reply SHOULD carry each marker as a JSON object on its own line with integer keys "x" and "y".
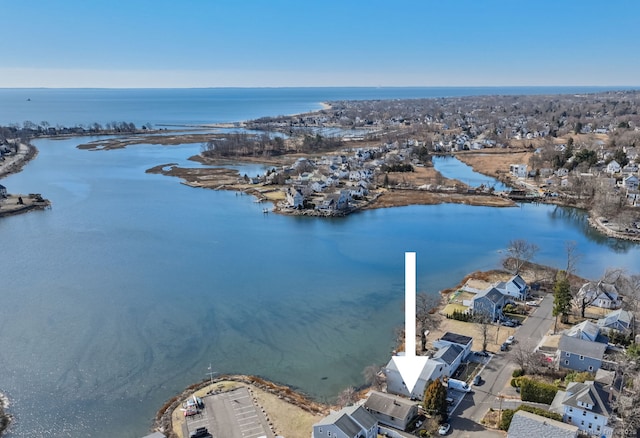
{"x": 504, "y": 347}
{"x": 200, "y": 432}
{"x": 532, "y": 303}
{"x": 481, "y": 353}
{"x": 510, "y": 340}
{"x": 450, "y": 401}
{"x": 444, "y": 428}
{"x": 508, "y": 323}
{"x": 477, "y": 380}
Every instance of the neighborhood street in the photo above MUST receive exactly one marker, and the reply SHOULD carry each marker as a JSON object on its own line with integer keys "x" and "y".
{"x": 465, "y": 421}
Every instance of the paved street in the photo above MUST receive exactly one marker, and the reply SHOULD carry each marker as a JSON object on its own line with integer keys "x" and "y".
{"x": 497, "y": 376}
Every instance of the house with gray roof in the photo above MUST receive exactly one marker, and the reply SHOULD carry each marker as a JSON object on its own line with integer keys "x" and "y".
{"x": 585, "y": 405}
{"x": 516, "y": 287}
{"x": 450, "y": 338}
{"x": 391, "y": 410}
{"x": 600, "y": 294}
{"x": 489, "y": 302}
{"x": 349, "y": 422}
{"x": 619, "y": 320}
{"x": 433, "y": 369}
{"x": 587, "y": 331}
{"x": 524, "y": 423}
{"x": 580, "y": 355}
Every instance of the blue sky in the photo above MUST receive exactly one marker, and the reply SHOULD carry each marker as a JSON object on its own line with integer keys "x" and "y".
{"x": 276, "y": 43}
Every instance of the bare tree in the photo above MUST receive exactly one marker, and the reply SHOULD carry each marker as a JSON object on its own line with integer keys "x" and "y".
{"x": 483, "y": 321}
{"x": 427, "y": 317}
{"x": 347, "y": 396}
{"x": 519, "y": 252}
{"x": 374, "y": 377}
{"x": 573, "y": 257}
{"x": 527, "y": 359}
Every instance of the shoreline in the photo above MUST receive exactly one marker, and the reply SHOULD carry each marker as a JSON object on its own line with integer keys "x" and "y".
{"x": 5, "y": 418}
{"x": 168, "y": 420}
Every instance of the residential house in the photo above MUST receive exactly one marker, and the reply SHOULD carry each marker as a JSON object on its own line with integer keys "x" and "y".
{"x": 586, "y": 331}
{"x": 630, "y": 182}
{"x": 613, "y": 167}
{"x": 516, "y": 287}
{"x": 391, "y": 410}
{"x": 580, "y": 355}
{"x": 3, "y": 191}
{"x": 518, "y": 170}
{"x": 349, "y": 422}
{"x": 619, "y": 320}
{"x": 489, "y": 302}
{"x": 524, "y": 423}
{"x": 452, "y": 355}
{"x": 600, "y": 294}
{"x": 585, "y": 405}
{"x": 450, "y": 338}
{"x": 295, "y": 198}
{"x": 433, "y": 369}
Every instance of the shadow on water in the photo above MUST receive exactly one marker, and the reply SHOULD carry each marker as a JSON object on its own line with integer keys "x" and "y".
{"x": 578, "y": 218}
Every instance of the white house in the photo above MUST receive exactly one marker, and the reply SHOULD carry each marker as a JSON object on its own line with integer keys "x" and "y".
{"x": 432, "y": 370}
{"x": 516, "y": 287}
{"x": 518, "y": 170}
{"x": 349, "y": 422}
{"x": 295, "y": 198}
{"x": 600, "y": 295}
{"x": 613, "y": 167}
{"x": 585, "y": 405}
{"x": 450, "y": 338}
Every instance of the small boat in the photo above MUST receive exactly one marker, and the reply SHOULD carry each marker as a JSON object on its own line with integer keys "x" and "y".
{"x": 265, "y": 210}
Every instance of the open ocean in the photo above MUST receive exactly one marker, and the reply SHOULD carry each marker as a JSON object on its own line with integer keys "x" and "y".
{"x": 125, "y": 291}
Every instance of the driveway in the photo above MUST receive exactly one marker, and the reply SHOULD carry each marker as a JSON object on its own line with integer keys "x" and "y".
{"x": 497, "y": 376}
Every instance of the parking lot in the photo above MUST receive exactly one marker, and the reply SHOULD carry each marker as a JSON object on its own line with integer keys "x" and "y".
{"x": 230, "y": 414}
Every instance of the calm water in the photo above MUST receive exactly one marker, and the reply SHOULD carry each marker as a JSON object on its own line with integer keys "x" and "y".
{"x": 70, "y": 107}
{"x": 124, "y": 292}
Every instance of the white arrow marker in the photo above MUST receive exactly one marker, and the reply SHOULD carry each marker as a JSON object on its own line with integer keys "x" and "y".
{"x": 410, "y": 366}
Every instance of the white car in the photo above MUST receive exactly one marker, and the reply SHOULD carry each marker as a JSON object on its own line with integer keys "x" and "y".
{"x": 532, "y": 303}
{"x": 444, "y": 428}
{"x": 510, "y": 340}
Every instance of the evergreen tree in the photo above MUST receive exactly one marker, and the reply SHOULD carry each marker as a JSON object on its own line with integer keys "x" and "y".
{"x": 562, "y": 297}
{"x": 435, "y": 399}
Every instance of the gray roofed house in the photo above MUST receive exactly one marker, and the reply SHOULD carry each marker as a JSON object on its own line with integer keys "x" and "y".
{"x": 585, "y": 405}
{"x": 600, "y": 294}
{"x": 450, "y": 338}
{"x": 432, "y": 370}
{"x": 349, "y": 422}
{"x": 588, "y": 331}
{"x": 516, "y": 287}
{"x": 620, "y": 320}
{"x": 490, "y": 302}
{"x": 391, "y": 410}
{"x": 524, "y": 424}
{"x": 580, "y": 355}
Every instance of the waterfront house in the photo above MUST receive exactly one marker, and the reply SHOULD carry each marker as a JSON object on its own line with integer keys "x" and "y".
{"x": 489, "y": 302}
{"x": 433, "y": 369}
{"x": 524, "y": 423}
{"x": 451, "y": 339}
{"x": 349, "y": 422}
{"x": 580, "y": 355}
{"x": 600, "y": 294}
{"x": 391, "y": 410}
{"x": 585, "y": 405}
{"x": 516, "y": 287}
{"x": 295, "y": 198}
{"x": 518, "y": 170}
{"x": 618, "y": 320}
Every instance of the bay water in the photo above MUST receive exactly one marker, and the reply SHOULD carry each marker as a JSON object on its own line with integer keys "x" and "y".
{"x": 132, "y": 284}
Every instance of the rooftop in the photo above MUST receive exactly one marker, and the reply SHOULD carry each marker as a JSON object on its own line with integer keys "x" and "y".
{"x": 456, "y": 338}
{"x": 525, "y": 424}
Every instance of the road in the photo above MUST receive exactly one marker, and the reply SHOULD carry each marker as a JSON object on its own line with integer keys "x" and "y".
{"x": 496, "y": 375}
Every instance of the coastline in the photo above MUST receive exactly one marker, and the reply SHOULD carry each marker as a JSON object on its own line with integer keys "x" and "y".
{"x": 5, "y": 418}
